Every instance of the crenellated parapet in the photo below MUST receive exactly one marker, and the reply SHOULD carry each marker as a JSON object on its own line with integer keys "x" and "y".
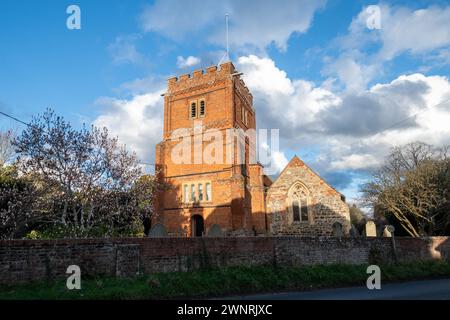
{"x": 212, "y": 75}
{"x": 202, "y": 77}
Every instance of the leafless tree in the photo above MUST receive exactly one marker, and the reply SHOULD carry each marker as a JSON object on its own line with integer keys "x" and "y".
{"x": 413, "y": 186}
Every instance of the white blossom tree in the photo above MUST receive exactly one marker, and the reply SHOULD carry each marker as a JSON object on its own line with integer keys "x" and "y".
{"x": 93, "y": 178}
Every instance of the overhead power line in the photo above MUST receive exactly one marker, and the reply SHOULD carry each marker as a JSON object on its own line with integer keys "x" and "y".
{"x": 14, "y": 118}
{"x": 412, "y": 116}
{"x": 29, "y": 125}
{"x": 380, "y": 131}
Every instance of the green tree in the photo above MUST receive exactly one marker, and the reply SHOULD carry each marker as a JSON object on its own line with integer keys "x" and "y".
{"x": 19, "y": 203}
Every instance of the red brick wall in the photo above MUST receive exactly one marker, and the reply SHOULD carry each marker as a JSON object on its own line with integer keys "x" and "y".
{"x": 30, "y": 260}
{"x": 225, "y": 94}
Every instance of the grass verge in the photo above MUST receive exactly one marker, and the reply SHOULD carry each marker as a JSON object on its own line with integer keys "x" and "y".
{"x": 221, "y": 282}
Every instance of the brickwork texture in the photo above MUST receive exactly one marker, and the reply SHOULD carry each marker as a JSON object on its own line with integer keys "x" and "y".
{"x": 31, "y": 260}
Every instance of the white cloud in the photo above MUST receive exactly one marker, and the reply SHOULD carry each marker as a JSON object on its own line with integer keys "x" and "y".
{"x": 418, "y": 31}
{"x": 286, "y": 103}
{"x": 346, "y": 127}
{"x": 402, "y": 30}
{"x": 355, "y": 161}
{"x": 354, "y": 75}
{"x": 138, "y": 122}
{"x": 261, "y": 74}
{"x": 187, "y": 62}
{"x": 123, "y": 50}
{"x": 275, "y": 162}
{"x": 280, "y": 160}
{"x": 363, "y": 52}
{"x": 255, "y": 24}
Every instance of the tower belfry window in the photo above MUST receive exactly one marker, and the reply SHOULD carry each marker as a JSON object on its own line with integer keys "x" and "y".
{"x": 193, "y": 110}
{"x": 202, "y": 108}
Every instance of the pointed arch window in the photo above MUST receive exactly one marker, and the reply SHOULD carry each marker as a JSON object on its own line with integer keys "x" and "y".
{"x": 298, "y": 202}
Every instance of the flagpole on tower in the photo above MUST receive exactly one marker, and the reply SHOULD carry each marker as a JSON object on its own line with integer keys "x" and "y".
{"x": 226, "y": 22}
{"x": 226, "y": 56}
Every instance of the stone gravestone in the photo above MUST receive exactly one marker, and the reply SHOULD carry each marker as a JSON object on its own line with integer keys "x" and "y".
{"x": 371, "y": 229}
{"x": 337, "y": 230}
{"x": 388, "y": 230}
{"x": 158, "y": 231}
{"x": 215, "y": 231}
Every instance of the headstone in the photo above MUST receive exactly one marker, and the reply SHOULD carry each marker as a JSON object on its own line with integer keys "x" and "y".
{"x": 158, "y": 231}
{"x": 354, "y": 232}
{"x": 215, "y": 231}
{"x": 388, "y": 230}
{"x": 371, "y": 229}
{"x": 337, "y": 230}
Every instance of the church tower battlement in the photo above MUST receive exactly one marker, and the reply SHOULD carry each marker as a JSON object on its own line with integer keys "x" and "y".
{"x": 218, "y": 97}
{"x": 202, "y": 77}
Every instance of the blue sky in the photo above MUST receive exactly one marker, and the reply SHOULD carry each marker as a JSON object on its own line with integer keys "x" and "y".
{"x": 317, "y": 72}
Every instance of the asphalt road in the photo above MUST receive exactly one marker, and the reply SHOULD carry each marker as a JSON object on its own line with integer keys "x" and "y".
{"x": 413, "y": 290}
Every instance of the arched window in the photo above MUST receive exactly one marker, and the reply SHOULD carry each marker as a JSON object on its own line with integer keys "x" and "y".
{"x": 337, "y": 229}
{"x": 298, "y": 203}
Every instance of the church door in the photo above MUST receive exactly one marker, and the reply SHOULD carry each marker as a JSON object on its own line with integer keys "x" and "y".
{"x": 198, "y": 226}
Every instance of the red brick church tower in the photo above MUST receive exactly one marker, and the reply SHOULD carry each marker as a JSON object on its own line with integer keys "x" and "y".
{"x": 202, "y": 193}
